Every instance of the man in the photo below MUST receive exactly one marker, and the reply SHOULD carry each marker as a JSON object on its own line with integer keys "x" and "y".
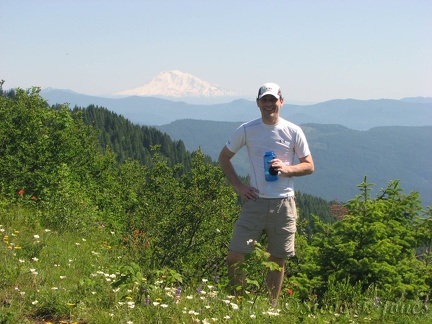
{"x": 269, "y": 205}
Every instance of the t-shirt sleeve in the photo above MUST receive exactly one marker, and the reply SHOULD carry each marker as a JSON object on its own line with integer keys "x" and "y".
{"x": 301, "y": 145}
{"x": 237, "y": 140}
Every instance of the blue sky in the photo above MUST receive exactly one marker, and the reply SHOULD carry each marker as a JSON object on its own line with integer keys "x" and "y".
{"x": 316, "y": 50}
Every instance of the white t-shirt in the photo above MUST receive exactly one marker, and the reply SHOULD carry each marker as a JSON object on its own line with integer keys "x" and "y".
{"x": 285, "y": 139}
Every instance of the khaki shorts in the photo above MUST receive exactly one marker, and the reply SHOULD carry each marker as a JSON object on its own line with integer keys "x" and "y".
{"x": 274, "y": 217}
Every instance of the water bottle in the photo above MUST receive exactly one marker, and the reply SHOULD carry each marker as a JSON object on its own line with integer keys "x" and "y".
{"x": 269, "y": 172}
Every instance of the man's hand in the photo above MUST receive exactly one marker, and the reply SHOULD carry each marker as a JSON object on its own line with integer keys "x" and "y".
{"x": 247, "y": 192}
{"x": 305, "y": 167}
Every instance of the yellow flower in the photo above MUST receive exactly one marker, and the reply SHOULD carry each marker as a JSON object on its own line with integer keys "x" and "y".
{"x": 129, "y": 297}
{"x": 71, "y": 304}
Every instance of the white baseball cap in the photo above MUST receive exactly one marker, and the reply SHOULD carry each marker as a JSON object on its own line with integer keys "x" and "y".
{"x": 269, "y": 89}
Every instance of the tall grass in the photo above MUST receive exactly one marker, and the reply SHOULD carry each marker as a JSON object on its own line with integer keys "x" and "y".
{"x": 52, "y": 277}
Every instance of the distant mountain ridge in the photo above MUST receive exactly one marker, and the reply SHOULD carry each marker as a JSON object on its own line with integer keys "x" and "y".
{"x": 178, "y": 84}
{"x": 354, "y": 114}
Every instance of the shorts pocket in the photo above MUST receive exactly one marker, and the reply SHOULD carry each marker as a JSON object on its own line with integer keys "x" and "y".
{"x": 246, "y": 224}
{"x": 290, "y": 226}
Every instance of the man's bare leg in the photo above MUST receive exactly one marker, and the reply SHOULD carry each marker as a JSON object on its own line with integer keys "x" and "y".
{"x": 275, "y": 279}
{"x": 235, "y": 274}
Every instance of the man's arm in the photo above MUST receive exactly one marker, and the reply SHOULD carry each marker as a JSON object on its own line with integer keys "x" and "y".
{"x": 243, "y": 190}
{"x": 305, "y": 167}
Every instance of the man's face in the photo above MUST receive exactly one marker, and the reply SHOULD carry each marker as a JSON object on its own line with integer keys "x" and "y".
{"x": 270, "y": 108}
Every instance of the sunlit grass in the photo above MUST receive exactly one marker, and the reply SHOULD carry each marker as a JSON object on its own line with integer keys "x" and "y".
{"x": 46, "y": 276}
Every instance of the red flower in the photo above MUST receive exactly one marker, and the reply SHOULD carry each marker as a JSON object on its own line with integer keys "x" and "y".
{"x": 289, "y": 291}
{"x": 21, "y": 192}
{"x": 33, "y": 198}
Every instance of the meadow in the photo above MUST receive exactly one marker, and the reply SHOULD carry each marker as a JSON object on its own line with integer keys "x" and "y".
{"x": 52, "y": 277}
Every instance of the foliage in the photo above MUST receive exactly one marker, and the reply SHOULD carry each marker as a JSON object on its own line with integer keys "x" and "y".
{"x": 130, "y": 141}
{"x": 131, "y": 237}
{"x": 48, "y": 276}
{"x": 374, "y": 244}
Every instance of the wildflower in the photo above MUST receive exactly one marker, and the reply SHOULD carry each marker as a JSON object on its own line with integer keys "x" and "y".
{"x": 227, "y": 317}
{"x": 21, "y": 192}
{"x": 36, "y": 236}
{"x": 131, "y": 304}
{"x": 253, "y": 316}
{"x": 35, "y": 259}
{"x": 54, "y": 288}
{"x": 62, "y": 277}
{"x": 47, "y": 230}
{"x": 164, "y": 305}
{"x": 234, "y": 306}
{"x": 70, "y": 304}
{"x": 33, "y": 198}
{"x": 34, "y": 302}
{"x": 191, "y": 312}
{"x": 271, "y": 313}
{"x": 376, "y": 301}
{"x": 21, "y": 261}
{"x": 189, "y": 297}
{"x": 289, "y": 291}
{"x": 204, "y": 280}
{"x": 156, "y": 303}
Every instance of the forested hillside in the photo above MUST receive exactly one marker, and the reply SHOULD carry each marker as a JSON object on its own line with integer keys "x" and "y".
{"x": 130, "y": 141}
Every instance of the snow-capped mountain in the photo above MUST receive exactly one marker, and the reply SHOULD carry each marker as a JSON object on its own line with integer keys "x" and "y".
{"x": 178, "y": 84}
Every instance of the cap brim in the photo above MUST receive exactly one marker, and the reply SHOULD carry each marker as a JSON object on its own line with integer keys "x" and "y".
{"x": 269, "y": 93}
